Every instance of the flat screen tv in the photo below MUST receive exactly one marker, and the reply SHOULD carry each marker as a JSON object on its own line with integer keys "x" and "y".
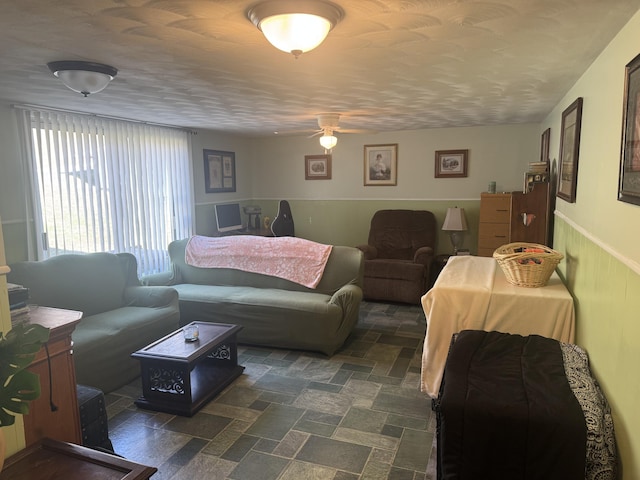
{"x": 228, "y": 217}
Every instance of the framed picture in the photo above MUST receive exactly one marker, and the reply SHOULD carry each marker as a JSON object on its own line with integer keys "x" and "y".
{"x": 629, "y": 180}
{"x": 219, "y": 171}
{"x": 452, "y": 163}
{"x": 569, "y": 151}
{"x": 381, "y": 164}
{"x": 544, "y": 146}
{"x": 317, "y": 167}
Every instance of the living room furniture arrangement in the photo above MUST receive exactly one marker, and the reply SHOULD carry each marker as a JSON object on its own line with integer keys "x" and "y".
{"x": 519, "y": 407}
{"x": 180, "y": 375}
{"x": 398, "y": 255}
{"x": 472, "y": 293}
{"x": 55, "y": 413}
{"x": 514, "y": 217}
{"x": 49, "y": 459}
{"x": 274, "y": 311}
{"x": 282, "y": 225}
{"x": 119, "y": 315}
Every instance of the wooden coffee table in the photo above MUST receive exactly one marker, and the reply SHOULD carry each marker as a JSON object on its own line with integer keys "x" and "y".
{"x": 180, "y": 377}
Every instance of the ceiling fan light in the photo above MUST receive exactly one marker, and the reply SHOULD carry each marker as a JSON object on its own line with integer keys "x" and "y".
{"x": 83, "y": 77}
{"x": 295, "y": 26}
{"x": 328, "y": 141}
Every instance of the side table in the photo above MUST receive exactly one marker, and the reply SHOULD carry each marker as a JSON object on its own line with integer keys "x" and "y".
{"x": 438, "y": 264}
{"x": 49, "y": 459}
{"x": 55, "y": 413}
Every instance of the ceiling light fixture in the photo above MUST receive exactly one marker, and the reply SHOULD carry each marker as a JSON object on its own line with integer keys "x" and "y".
{"x": 328, "y": 140}
{"x": 295, "y": 26}
{"x": 83, "y": 77}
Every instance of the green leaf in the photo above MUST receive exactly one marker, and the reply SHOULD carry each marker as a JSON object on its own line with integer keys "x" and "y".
{"x": 17, "y": 385}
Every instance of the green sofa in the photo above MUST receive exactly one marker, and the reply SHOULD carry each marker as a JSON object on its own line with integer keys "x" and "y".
{"x": 273, "y": 311}
{"x": 119, "y": 315}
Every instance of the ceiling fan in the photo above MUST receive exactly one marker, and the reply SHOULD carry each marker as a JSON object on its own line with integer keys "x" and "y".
{"x": 329, "y": 124}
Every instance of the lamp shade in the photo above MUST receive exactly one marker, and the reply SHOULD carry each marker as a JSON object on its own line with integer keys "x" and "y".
{"x": 328, "y": 141}
{"x": 295, "y": 26}
{"x": 83, "y": 77}
{"x": 455, "y": 221}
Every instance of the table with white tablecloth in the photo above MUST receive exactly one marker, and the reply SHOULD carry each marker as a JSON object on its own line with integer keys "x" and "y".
{"x": 472, "y": 293}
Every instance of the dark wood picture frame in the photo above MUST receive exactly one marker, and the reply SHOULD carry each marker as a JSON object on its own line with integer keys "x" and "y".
{"x": 381, "y": 164}
{"x": 544, "y": 146}
{"x": 317, "y": 167}
{"x": 219, "y": 171}
{"x": 452, "y": 163}
{"x": 629, "y": 179}
{"x": 569, "y": 151}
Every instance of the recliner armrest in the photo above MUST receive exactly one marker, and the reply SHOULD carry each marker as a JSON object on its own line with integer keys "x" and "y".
{"x": 140, "y": 296}
{"x": 424, "y": 255}
{"x": 370, "y": 252}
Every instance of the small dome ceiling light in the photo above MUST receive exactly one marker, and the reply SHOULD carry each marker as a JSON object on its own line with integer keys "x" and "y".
{"x": 83, "y": 77}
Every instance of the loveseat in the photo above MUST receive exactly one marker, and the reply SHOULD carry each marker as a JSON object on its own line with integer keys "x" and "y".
{"x": 274, "y": 311}
{"x": 119, "y": 315}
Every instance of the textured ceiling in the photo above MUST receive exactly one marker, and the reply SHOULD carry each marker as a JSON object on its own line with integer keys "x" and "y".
{"x": 389, "y": 65}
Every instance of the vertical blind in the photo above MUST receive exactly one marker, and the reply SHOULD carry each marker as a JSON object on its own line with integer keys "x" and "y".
{"x": 106, "y": 185}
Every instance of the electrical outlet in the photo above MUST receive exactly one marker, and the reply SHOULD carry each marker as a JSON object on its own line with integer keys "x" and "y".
{"x": 309, "y": 220}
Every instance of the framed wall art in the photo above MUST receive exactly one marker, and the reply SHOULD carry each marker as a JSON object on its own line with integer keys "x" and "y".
{"x": 452, "y": 163}
{"x": 219, "y": 171}
{"x": 544, "y": 146}
{"x": 569, "y": 151}
{"x": 629, "y": 180}
{"x": 381, "y": 164}
{"x": 317, "y": 167}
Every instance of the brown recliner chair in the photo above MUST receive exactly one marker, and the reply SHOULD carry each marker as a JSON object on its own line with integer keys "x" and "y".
{"x": 398, "y": 255}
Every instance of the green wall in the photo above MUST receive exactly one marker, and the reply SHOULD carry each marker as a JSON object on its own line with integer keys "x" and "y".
{"x": 346, "y": 222}
{"x": 607, "y": 301}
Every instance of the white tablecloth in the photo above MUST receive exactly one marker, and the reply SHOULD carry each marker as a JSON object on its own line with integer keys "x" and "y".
{"x": 472, "y": 293}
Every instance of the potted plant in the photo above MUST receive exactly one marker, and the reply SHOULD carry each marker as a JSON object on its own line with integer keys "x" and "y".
{"x": 18, "y": 386}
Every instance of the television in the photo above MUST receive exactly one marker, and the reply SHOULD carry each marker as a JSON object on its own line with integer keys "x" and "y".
{"x": 228, "y": 217}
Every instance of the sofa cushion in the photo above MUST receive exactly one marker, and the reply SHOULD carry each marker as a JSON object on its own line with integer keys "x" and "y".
{"x": 92, "y": 283}
{"x": 278, "y": 318}
{"x": 104, "y": 342}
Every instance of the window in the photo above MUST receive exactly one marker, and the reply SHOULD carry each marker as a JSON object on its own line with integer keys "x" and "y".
{"x": 106, "y": 185}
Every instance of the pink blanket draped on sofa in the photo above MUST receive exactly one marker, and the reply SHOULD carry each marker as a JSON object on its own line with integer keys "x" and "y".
{"x": 294, "y": 259}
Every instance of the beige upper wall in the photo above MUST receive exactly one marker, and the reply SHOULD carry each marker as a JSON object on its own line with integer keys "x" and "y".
{"x": 613, "y": 224}
{"x": 499, "y": 153}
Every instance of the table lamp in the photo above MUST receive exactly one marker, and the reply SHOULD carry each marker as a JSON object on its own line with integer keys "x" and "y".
{"x": 455, "y": 223}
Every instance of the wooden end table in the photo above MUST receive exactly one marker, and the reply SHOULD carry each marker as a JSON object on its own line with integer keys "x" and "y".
{"x": 180, "y": 377}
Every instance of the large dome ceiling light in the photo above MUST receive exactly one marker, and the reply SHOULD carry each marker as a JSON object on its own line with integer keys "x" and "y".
{"x": 83, "y": 77}
{"x": 295, "y": 26}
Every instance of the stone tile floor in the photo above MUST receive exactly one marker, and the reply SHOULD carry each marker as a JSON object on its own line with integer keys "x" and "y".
{"x": 299, "y": 415}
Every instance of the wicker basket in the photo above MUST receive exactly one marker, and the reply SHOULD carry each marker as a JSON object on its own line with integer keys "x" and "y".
{"x": 527, "y": 264}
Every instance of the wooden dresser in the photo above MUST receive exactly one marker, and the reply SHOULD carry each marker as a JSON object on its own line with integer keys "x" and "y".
{"x": 62, "y": 421}
{"x": 502, "y": 221}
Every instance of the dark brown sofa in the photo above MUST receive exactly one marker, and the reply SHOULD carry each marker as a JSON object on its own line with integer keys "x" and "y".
{"x": 398, "y": 256}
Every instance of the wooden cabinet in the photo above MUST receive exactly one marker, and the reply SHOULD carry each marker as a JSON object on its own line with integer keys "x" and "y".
{"x": 495, "y": 222}
{"x": 513, "y": 217}
{"x": 55, "y": 413}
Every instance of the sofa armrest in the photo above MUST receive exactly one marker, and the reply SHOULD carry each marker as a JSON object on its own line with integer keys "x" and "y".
{"x": 140, "y": 296}
{"x": 370, "y": 252}
{"x": 348, "y": 297}
{"x": 158, "y": 279}
{"x": 424, "y": 255}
